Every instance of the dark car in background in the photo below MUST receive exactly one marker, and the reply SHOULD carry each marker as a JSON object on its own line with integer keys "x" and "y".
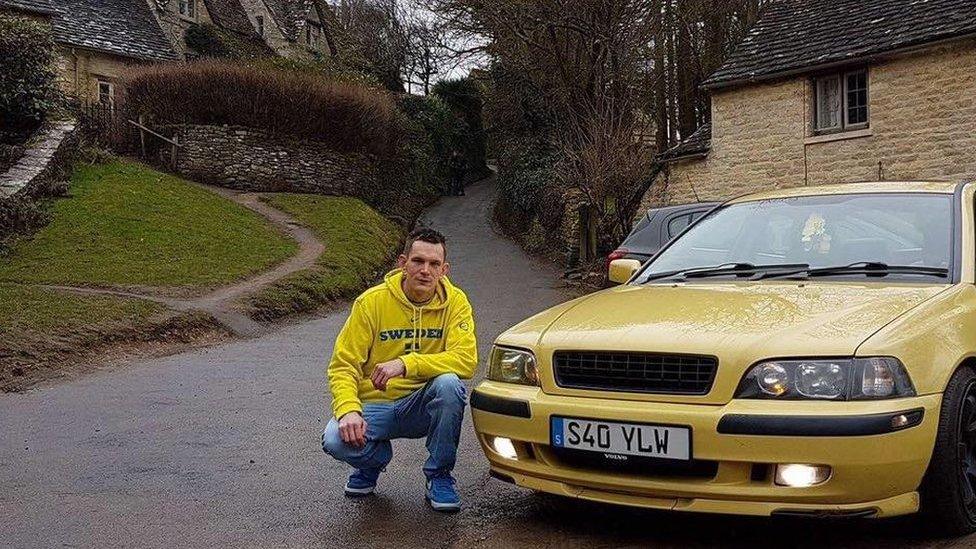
{"x": 656, "y": 228}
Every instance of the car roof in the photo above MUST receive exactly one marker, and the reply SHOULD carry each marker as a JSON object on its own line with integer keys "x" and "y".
{"x": 681, "y": 207}
{"x": 944, "y": 187}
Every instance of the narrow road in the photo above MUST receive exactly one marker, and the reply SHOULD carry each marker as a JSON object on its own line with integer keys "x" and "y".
{"x": 219, "y": 447}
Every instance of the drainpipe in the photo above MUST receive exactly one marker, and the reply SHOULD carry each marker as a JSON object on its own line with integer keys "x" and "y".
{"x": 74, "y": 56}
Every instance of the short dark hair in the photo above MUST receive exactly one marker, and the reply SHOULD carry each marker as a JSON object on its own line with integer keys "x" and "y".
{"x": 424, "y": 234}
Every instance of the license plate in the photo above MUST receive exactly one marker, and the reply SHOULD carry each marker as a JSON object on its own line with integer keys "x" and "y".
{"x": 611, "y": 437}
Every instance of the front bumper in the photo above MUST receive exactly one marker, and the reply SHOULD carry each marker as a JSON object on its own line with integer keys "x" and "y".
{"x": 872, "y": 474}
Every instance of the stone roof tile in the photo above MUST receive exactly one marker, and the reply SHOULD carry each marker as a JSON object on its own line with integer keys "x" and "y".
{"x": 121, "y": 27}
{"x": 697, "y": 144}
{"x": 793, "y": 35}
{"x": 35, "y": 6}
{"x": 230, "y": 15}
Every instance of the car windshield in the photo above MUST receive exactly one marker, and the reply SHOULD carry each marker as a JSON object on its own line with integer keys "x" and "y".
{"x": 819, "y": 232}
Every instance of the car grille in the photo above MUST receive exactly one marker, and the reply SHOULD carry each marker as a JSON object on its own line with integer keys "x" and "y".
{"x": 635, "y": 372}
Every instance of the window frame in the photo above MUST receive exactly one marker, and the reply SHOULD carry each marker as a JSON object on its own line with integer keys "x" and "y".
{"x": 111, "y": 93}
{"x": 187, "y": 9}
{"x": 312, "y": 38}
{"x": 844, "y": 124}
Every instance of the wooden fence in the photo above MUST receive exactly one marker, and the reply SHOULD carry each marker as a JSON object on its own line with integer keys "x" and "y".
{"x": 120, "y": 129}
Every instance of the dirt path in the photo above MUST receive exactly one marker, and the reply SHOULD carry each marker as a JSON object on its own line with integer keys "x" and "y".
{"x": 220, "y": 303}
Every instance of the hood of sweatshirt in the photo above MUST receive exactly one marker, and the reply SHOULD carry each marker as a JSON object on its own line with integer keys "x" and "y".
{"x": 394, "y": 282}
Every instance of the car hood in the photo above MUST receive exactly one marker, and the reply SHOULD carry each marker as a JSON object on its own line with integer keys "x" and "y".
{"x": 739, "y": 323}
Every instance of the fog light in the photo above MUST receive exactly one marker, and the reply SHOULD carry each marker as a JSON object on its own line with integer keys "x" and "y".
{"x": 504, "y": 447}
{"x": 796, "y": 475}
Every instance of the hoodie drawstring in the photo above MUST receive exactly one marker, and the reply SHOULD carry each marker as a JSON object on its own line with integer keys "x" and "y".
{"x": 418, "y": 322}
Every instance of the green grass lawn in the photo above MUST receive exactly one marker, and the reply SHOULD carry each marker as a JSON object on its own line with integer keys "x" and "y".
{"x": 126, "y": 224}
{"x": 359, "y": 245}
{"x": 37, "y": 324}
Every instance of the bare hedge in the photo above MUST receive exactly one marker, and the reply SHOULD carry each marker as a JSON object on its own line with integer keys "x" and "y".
{"x": 346, "y": 117}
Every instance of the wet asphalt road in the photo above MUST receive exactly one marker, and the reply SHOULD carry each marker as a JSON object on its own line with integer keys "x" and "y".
{"x": 219, "y": 447}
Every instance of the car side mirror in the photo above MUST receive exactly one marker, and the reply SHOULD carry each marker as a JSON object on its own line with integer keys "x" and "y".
{"x": 622, "y": 269}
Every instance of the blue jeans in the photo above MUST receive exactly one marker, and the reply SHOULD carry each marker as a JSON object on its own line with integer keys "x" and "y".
{"x": 435, "y": 412}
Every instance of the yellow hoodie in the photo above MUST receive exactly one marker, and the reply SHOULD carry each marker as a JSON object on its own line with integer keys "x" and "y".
{"x": 433, "y": 339}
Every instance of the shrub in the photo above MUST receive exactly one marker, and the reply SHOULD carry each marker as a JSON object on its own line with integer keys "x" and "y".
{"x": 28, "y": 88}
{"x": 319, "y": 66}
{"x": 344, "y": 117}
{"x": 19, "y": 216}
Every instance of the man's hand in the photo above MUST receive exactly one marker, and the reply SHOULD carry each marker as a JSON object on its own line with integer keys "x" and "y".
{"x": 352, "y": 429}
{"x": 384, "y": 371}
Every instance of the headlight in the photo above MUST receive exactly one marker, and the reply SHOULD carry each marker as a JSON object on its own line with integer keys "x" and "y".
{"x": 827, "y": 379}
{"x": 512, "y": 366}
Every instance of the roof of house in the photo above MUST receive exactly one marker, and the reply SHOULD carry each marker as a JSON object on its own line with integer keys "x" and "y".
{"x": 800, "y": 35}
{"x": 290, "y": 15}
{"x": 121, "y": 27}
{"x": 230, "y": 15}
{"x": 697, "y": 144}
{"x": 34, "y": 6}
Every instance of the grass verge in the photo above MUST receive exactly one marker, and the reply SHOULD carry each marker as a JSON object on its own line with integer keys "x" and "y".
{"x": 359, "y": 246}
{"x": 41, "y": 329}
{"x": 126, "y": 224}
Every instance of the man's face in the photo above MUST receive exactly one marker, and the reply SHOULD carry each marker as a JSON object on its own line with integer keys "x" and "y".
{"x": 422, "y": 269}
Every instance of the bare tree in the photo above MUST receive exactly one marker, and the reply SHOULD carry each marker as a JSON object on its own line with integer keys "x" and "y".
{"x": 600, "y": 69}
{"x": 380, "y": 36}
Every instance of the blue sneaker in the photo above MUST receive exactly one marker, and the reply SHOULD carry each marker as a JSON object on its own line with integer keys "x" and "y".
{"x": 442, "y": 495}
{"x": 362, "y": 482}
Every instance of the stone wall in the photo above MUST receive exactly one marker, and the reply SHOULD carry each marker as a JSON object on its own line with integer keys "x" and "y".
{"x": 46, "y": 161}
{"x": 272, "y": 35}
{"x": 246, "y": 159}
{"x": 38, "y": 174}
{"x": 922, "y": 126}
{"x": 80, "y": 70}
{"x": 175, "y": 25}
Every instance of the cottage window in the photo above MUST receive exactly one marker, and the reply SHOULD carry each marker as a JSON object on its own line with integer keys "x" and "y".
{"x": 259, "y": 19}
{"x": 188, "y": 8}
{"x": 312, "y": 31}
{"x": 841, "y": 102}
{"x": 106, "y": 94}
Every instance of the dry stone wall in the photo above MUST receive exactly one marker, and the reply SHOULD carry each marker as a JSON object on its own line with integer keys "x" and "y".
{"x": 246, "y": 159}
{"x": 922, "y": 126}
{"x": 47, "y": 158}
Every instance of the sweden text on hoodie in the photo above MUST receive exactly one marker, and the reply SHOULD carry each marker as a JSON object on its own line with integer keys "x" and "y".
{"x": 433, "y": 339}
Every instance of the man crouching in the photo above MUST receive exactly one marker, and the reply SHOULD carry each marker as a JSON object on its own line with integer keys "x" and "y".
{"x": 396, "y": 371}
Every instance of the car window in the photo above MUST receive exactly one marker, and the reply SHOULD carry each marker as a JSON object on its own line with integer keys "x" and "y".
{"x": 822, "y": 231}
{"x": 678, "y": 224}
{"x": 642, "y": 238}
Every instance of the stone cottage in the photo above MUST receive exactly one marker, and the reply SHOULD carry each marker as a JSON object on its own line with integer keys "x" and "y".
{"x": 296, "y": 28}
{"x": 97, "y": 40}
{"x": 835, "y": 91}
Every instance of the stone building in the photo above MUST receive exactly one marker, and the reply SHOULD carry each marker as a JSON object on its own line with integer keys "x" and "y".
{"x": 98, "y": 40}
{"x": 296, "y": 28}
{"x": 835, "y": 91}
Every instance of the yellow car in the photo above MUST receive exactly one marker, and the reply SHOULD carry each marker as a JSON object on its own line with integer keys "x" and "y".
{"x": 806, "y": 352}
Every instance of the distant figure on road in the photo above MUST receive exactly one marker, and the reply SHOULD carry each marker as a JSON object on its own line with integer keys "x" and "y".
{"x": 396, "y": 371}
{"x": 457, "y": 165}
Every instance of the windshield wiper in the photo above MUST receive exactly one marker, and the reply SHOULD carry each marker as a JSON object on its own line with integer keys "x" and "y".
{"x": 868, "y": 268}
{"x": 737, "y": 269}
